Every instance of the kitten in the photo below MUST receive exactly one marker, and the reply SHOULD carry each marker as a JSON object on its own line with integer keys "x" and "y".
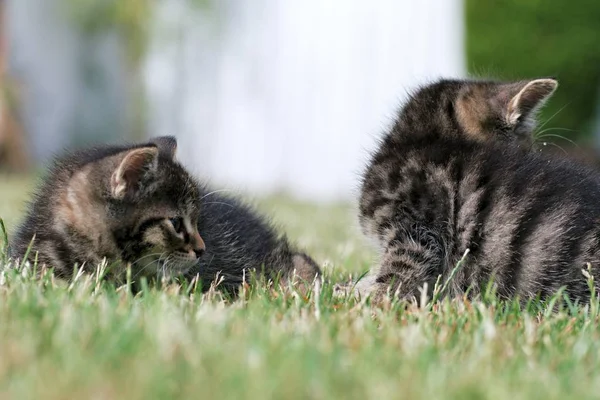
{"x": 136, "y": 205}
{"x": 455, "y": 178}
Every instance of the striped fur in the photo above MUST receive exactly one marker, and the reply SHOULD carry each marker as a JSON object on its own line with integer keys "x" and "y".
{"x": 136, "y": 205}
{"x": 456, "y": 173}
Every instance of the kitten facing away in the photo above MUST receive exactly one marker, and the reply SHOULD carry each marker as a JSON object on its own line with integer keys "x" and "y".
{"x": 137, "y": 206}
{"x": 455, "y": 175}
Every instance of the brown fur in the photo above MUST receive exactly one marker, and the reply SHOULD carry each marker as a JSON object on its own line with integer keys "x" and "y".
{"x": 114, "y": 204}
{"x": 471, "y": 112}
{"x": 136, "y": 206}
{"x": 484, "y": 109}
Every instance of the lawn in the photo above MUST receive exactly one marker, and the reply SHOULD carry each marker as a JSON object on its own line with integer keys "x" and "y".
{"x": 89, "y": 340}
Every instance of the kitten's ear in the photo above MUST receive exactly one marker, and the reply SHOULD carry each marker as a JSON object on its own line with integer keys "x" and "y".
{"x": 127, "y": 179}
{"x": 167, "y": 145}
{"x": 530, "y": 97}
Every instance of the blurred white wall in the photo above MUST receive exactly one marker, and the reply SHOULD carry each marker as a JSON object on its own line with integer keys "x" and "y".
{"x": 290, "y": 95}
{"x": 264, "y": 95}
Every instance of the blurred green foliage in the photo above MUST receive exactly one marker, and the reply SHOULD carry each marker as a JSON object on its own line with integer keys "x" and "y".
{"x": 532, "y": 38}
{"x": 129, "y": 18}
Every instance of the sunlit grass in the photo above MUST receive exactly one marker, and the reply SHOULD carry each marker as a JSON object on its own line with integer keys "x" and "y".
{"x": 90, "y": 339}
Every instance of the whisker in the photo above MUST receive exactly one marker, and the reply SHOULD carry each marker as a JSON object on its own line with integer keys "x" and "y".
{"x": 220, "y": 202}
{"x": 216, "y": 191}
{"x": 149, "y": 263}
{"x": 556, "y": 129}
{"x": 164, "y": 269}
{"x": 554, "y": 115}
{"x": 146, "y": 256}
{"x": 211, "y": 260}
{"x": 558, "y": 136}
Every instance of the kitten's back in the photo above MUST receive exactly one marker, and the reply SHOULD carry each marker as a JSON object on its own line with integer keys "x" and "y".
{"x": 456, "y": 173}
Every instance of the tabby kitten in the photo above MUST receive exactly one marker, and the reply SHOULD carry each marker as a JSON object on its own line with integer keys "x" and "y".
{"x": 454, "y": 179}
{"x": 136, "y": 205}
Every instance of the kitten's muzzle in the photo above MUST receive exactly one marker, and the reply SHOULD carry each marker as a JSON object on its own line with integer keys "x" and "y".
{"x": 198, "y": 246}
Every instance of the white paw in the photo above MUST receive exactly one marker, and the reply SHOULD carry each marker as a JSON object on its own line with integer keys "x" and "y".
{"x": 360, "y": 290}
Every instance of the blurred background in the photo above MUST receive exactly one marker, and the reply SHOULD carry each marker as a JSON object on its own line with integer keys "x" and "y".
{"x": 271, "y": 96}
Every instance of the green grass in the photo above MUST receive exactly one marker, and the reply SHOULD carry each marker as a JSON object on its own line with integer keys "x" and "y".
{"x": 91, "y": 340}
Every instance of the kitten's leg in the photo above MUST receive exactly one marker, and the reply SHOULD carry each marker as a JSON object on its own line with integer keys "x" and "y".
{"x": 404, "y": 269}
{"x": 302, "y": 272}
{"x": 360, "y": 289}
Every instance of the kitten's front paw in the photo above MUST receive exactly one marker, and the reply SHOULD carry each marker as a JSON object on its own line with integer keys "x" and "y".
{"x": 341, "y": 291}
{"x": 360, "y": 290}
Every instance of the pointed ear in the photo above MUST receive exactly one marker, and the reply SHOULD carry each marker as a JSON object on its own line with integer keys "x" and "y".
{"x": 532, "y": 95}
{"x": 167, "y": 145}
{"x": 127, "y": 179}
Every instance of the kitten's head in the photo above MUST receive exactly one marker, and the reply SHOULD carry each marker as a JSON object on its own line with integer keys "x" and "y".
{"x": 482, "y": 110}
{"x": 143, "y": 200}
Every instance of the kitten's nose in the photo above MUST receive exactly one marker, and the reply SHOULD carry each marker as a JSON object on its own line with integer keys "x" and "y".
{"x": 199, "y": 252}
{"x": 198, "y": 244}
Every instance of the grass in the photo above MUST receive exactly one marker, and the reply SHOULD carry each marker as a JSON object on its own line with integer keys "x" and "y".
{"x": 90, "y": 340}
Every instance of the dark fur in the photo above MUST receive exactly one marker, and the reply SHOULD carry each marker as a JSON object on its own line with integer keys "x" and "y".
{"x": 117, "y": 203}
{"x": 238, "y": 238}
{"x": 437, "y": 187}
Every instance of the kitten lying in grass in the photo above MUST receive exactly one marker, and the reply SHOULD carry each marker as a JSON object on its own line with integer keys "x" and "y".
{"x": 455, "y": 179}
{"x": 137, "y": 206}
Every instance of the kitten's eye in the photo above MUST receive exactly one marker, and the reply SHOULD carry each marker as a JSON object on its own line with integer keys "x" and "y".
{"x": 177, "y": 223}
